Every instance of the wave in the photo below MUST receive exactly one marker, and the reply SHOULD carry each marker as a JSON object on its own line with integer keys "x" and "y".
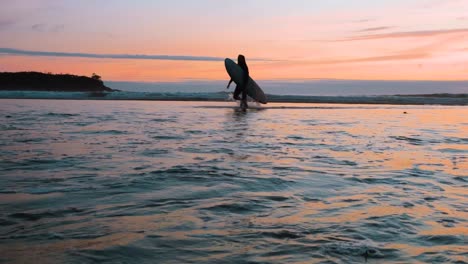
{"x": 423, "y": 99}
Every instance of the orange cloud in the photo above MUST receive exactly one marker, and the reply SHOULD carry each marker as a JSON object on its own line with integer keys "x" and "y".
{"x": 374, "y": 29}
{"x": 404, "y": 56}
{"x": 409, "y": 34}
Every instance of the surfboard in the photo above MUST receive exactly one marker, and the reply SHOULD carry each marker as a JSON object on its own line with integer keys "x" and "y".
{"x": 236, "y": 73}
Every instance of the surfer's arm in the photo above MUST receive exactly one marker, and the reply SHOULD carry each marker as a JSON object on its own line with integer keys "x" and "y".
{"x": 246, "y": 75}
{"x": 229, "y": 84}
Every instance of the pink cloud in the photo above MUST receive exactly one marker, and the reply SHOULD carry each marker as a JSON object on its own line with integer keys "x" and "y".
{"x": 408, "y": 34}
{"x": 374, "y": 29}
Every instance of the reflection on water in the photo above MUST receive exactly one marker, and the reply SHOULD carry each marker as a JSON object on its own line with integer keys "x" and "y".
{"x": 168, "y": 182}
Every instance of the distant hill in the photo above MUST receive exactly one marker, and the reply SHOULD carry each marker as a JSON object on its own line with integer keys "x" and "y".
{"x": 36, "y": 81}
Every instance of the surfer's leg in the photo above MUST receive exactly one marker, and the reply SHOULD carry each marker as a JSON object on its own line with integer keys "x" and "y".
{"x": 244, "y": 99}
{"x": 237, "y": 91}
{"x": 244, "y": 105}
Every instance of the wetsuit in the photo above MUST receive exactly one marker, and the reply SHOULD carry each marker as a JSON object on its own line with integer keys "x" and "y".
{"x": 241, "y": 88}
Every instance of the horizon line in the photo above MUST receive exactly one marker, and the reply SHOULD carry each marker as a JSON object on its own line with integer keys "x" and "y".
{"x": 188, "y": 80}
{"x": 290, "y": 80}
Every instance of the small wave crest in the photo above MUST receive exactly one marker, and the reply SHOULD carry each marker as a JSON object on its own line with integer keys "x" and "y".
{"x": 225, "y": 96}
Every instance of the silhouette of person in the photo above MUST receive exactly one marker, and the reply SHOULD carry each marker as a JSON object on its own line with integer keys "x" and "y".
{"x": 241, "y": 87}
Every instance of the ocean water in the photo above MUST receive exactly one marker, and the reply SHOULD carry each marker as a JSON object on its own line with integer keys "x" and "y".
{"x": 202, "y": 182}
{"x": 317, "y": 87}
{"x": 306, "y": 91}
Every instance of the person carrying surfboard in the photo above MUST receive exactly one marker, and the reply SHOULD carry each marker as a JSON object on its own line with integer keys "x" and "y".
{"x": 241, "y": 88}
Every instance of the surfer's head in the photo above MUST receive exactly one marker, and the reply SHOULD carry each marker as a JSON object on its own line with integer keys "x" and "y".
{"x": 241, "y": 59}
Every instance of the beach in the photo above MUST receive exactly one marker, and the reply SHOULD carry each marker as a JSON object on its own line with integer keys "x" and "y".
{"x": 103, "y": 181}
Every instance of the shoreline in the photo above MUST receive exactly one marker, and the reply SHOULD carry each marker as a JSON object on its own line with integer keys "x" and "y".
{"x": 398, "y": 99}
{"x": 350, "y": 102}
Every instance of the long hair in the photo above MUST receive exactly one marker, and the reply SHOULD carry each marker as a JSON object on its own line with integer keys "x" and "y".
{"x": 241, "y": 62}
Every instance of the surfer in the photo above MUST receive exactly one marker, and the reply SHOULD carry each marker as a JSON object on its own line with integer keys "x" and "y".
{"x": 241, "y": 88}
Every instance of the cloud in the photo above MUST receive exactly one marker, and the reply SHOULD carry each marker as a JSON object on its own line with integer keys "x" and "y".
{"x": 49, "y": 28}
{"x": 38, "y": 27}
{"x": 407, "y": 34}
{"x": 363, "y": 20}
{"x": 112, "y": 56}
{"x": 421, "y": 52}
{"x": 441, "y": 3}
{"x": 374, "y": 29}
{"x": 57, "y": 28}
{"x": 393, "y": 57}
{"x": 6, "y": 23}
{"x": 404, "y": 56}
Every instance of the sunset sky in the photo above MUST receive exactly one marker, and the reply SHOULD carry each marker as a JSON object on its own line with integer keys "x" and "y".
{"x": 179, "y": 40}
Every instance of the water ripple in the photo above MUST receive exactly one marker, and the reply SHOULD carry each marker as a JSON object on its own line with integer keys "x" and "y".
{"x": 186, "y": 182}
